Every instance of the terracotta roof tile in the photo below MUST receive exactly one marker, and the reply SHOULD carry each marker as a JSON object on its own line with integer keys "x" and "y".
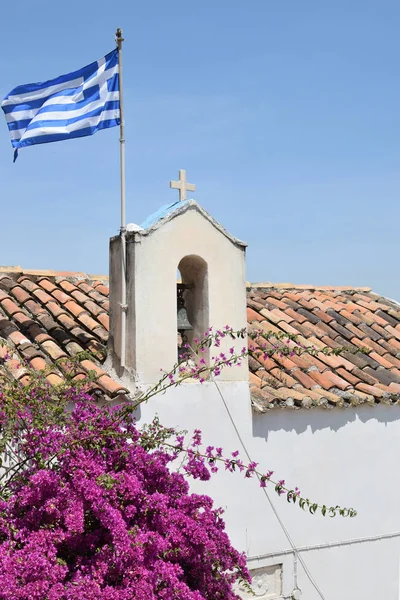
{"x": 22, "y": 319}
{"x": 90, "y": 366}
{"x": 392, "y": 346}
{"x": 381, "y": 360}
{"x": 66, "y": 321}
{"x": 305, "y": 380}
{"x": 94, "y": 308}
{"x": 28, "y": 284}
{"x": 61, "y": 296}
{"x": 66, "y": 285}
{"x": 33, "y": 307}
{"x": 104, "y": 320}
{"x": 46, "y": 284}
{"x": 369, "y": 389}
{"x": 370, "y": 344}
{"x": 326, "y": 396}
{"x": 101, "y": 288}
{"x": 39, "y": 364}
{"x": 252, "y": 315}
{"x": 337, "y": 381}
{"x": 20, "y": 294}
{"x": 15, "y": 368}
{"x": 101, "y": 333}
{"x": 394, "y": 362}
{"x": 74, "y": 308}
{"x": 87, "y": 320}
{"x": 55, "y": 309}
{"x": 47, "y": 321}
{"x": 97, "y": 297}
{"x": 9, "y": 306}
{"x": 364, "y": 376}
{"x": 54, "y": 379}
{"x": 254, "y": 380}
{"x": 335, "y": 362}
{"x": 322, "y": 379}
{"x": 84, "y": 286}
{"x": 37, "y": 333}
{"x": 18, "y": 338}
{"x": 382, "y": 331}
{"x": 283, "y": 378}
{"x": 297, "y": 316}
{"x": 394, "y": 331}
{"x": 42, "y": 296}
{"x": 371, "y": 318}
{"x": 53, "y": 350}
{"x": 80, "y": 296}
{"x": 344, "y": 374}
{"x": 110, "y": 386}
{"x": 73, "y": 348}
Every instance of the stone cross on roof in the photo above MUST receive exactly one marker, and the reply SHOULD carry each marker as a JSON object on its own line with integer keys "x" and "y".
{"x": 182, "y": 185}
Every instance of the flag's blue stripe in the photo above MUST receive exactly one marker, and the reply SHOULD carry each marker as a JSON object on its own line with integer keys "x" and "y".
{"x": 57, "y": 137}
{"x": 113, "y": 83}
{"x": 86, "y": 72}
{"x": 8, "y": 108}
{"x": 15, "y": 125}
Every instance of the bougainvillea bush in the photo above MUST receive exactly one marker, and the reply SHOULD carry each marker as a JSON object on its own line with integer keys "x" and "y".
{"x": 98, "y": 515}
{"x": 92, "y": 508}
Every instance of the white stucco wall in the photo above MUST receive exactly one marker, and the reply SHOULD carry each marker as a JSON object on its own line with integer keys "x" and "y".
{"x": 152, "y": 261}
{"x": 347, "y": 457}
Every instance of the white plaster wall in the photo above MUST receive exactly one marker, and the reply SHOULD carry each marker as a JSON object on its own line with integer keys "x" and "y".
{"x": 152, "y": 263}
{"x": 347, "y": 457}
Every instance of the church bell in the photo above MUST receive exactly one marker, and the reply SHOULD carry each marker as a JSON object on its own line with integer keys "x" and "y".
{"x": 183, "y": 323}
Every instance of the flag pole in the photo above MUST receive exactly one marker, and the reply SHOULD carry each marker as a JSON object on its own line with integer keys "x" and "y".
{"x": 119, "y": 39}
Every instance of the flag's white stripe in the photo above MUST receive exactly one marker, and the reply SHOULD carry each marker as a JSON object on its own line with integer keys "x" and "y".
{"x": 36, "y": 114}
{"x": 89, "y": 122}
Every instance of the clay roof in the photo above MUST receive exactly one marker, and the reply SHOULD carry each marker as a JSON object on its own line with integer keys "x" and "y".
{"x": 48, "y": 316}
{"x": 326, "y": 317}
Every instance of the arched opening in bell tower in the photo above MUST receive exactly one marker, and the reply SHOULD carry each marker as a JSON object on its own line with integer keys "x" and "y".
{"x": 192, "y": 301}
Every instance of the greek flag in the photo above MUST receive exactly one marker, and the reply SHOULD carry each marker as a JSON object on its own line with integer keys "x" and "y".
{"x": 69, "y": 106}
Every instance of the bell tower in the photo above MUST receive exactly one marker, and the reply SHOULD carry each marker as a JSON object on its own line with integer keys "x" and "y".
{"x": 185, "y": 273}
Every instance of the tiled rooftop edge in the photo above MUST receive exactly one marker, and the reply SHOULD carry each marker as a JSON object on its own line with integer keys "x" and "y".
{"x": 14, "y": 272}
{"x": 300, "y": 286}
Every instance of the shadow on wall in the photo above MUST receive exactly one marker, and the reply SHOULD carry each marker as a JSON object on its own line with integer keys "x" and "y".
{"x": 317, "y": 419}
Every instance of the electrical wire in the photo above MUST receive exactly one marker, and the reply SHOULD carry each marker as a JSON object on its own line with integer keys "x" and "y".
{"x": 284, "y": 529}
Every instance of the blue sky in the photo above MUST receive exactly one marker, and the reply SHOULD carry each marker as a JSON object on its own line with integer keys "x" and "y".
{"x": 286, "y": 115}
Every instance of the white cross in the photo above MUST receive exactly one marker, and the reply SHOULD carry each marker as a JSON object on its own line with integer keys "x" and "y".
{"x": 182, "y": 185}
